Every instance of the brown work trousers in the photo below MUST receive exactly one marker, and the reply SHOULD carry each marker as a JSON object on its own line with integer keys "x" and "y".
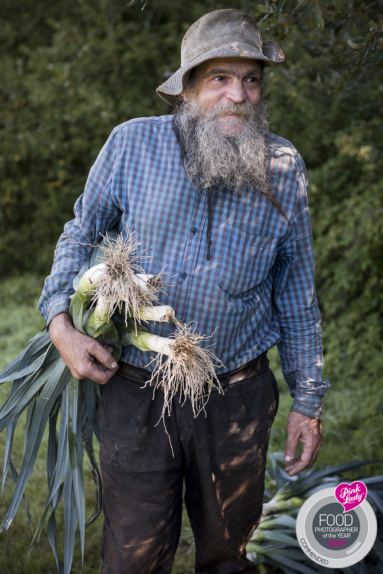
{"x": 220, "y": 456}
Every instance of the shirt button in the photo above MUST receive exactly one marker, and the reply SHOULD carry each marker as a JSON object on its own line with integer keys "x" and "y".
{"x": 184, "y": 275}
{"x": 194, "y": 230}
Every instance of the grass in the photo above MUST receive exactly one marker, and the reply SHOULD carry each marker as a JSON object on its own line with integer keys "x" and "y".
{"x": 351, "y": 428}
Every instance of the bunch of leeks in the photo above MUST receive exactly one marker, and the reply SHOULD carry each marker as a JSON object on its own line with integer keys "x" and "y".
{"x": 113, "y": 295}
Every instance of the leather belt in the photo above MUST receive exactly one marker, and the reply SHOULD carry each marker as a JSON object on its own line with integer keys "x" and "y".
{"x": 258, "y": 366}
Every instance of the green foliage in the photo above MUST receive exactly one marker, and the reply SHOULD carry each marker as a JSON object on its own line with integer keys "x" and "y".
{"x": 19, "y": 318}
{"x": 72, "y": 71}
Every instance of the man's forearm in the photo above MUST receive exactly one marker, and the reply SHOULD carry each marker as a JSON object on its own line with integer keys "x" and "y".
{"x": 60, "y": 322}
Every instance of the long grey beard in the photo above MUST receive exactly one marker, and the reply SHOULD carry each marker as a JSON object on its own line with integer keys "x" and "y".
{"x": 239, "y": 162}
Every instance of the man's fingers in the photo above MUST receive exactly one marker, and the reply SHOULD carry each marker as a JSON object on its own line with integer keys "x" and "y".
{"x": 103, "y": 356}
{"x": 300, "y": 463}
{"x": 295, "y": 466}
{"x": 96, "y": 363}
{"x": 101, "y": 364}
{"x": 291, "y": 446}
{"x": 308, "y": 431}
{"x": 311, "y": 446}
{"x": 109, "y": 348}
{"x": 95, "y": 371}
{"x": 85, "y": 357}
{"x": 304, "y": 460}
{"x": 99, "y": 374}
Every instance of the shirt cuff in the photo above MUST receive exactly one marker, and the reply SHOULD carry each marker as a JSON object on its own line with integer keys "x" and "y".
{"x": 58, "y": 304}
{"x": 309, "y": 405}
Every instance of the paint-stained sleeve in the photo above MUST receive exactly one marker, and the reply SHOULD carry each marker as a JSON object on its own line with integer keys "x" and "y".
{"x": 296, "y": 309}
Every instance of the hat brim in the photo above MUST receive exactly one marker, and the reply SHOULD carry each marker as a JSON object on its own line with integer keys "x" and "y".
{"x": 271, "y": 55}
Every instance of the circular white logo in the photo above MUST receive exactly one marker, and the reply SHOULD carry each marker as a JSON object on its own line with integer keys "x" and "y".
{"x": 332, "y": 536}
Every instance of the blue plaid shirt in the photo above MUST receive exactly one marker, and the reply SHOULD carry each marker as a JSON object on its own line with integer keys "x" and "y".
{"x": 257, "y": 289}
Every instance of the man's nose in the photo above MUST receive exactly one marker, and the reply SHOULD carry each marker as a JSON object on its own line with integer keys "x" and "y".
{"x": 236, "y": 92}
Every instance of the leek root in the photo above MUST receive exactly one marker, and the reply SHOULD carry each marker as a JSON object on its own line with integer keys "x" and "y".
{"x": 124, "y": 282}
{"x": 188, "y": 371}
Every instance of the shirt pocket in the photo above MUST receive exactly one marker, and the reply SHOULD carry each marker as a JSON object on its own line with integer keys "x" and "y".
{"x": 247, "y": 260}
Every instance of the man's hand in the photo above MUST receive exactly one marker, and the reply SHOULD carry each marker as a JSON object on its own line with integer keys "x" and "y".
{"x": 85, "y": 357}
{"x": 308, "y": 431}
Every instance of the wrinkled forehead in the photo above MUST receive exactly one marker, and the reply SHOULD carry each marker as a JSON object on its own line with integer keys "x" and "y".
{"x": 234, "y": 66}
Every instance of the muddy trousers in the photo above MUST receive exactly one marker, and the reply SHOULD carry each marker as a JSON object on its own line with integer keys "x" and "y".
{"x": 218, "y": 463}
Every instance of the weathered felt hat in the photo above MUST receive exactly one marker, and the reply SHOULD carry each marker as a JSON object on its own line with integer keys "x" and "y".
{"x": 219, "y": 34}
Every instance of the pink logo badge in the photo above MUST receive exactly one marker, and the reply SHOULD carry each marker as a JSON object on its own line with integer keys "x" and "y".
{"x": 351, "y": 495}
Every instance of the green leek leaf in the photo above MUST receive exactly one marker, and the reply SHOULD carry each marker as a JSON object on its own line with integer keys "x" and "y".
{"x": 49, "y": 393}
{"x": 70, "y": 517}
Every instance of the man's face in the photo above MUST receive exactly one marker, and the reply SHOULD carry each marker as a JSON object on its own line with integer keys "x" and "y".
{"x": 222, "y": 122}
{"x": 227, "y": 85}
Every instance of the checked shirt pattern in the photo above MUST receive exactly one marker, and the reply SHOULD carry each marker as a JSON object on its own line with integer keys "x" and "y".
{"x": 257, "y": 289}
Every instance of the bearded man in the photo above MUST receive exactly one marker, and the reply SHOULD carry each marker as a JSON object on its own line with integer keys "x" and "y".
{"x": 222, "y": 203}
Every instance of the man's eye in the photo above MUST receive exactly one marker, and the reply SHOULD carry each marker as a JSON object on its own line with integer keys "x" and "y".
{"x": 254, "y": 80}
{"x": 219, "y": 78}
